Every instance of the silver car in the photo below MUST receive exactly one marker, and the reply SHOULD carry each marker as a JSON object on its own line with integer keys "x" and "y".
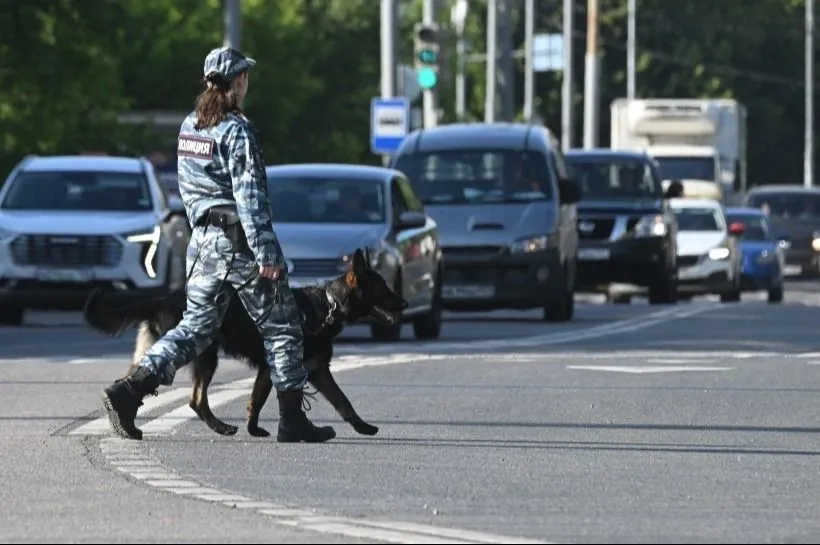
{"x": 323, "y": 212}
{"x": 72, "y": 223}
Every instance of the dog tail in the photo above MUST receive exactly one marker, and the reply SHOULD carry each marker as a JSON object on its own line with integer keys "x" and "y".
{"x": 100, "y": 314}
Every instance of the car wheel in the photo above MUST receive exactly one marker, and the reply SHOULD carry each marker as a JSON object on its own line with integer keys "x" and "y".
{"x": 776, "y": 294}
{"x": 428, "y": 326}
{"x": 664, "y": 291}
{"x": 560, "y": 307}
{"x": 12, "y": 316}
{"x": 388, "y": 333}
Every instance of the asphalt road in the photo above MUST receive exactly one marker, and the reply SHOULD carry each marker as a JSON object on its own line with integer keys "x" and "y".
{"x": 688, "y": 423}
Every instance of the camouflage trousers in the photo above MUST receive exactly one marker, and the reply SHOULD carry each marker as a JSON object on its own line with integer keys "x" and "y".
{"x": 270, "y": 304}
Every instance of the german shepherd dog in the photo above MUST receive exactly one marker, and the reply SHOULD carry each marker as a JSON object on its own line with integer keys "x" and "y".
{"x": 356, "y": 294}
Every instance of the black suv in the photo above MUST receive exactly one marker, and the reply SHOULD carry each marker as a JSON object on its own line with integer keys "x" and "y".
{"x": 627, "y": 230}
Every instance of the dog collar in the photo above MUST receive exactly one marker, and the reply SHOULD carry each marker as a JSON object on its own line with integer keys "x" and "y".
{"x": 331, "y": 313}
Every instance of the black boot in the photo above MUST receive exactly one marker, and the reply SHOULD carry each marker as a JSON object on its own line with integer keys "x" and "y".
{"x": 123, "y": 398}
{"x": 294, "y": 425}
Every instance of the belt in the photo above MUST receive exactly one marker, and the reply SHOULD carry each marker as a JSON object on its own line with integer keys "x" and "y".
{"x": 216, "y": 216}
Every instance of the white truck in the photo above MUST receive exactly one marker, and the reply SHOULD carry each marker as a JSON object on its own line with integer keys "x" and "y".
{"x": 701, "y": 142}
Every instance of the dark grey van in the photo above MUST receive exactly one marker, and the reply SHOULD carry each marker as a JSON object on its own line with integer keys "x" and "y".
{"x": 505, "y": 209}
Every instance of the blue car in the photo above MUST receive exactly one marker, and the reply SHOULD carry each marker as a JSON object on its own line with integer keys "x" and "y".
{"x": 763, "y": 258}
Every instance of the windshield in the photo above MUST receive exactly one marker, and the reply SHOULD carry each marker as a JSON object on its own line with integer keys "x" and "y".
{"x": 477, "y": 176}
{"x": 792, "y": 205}
{"x": 318, "y": 199}
{"x": 757, "y": 228}
{"x": 687, "y": 168}
{"x": 81, "y": 191}
{"x": 607, "y": 178}
{"x": 698, "y": 219}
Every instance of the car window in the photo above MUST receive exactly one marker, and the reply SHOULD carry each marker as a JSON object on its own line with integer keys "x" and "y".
{"x": 411, "y": 202}
{"x": 614, "y": 177}
{"x": 787, "y": 205}
{"x": 560, "y": 164}
{"x": 316, "y": 199}
{"x": 397, "y": 200}
{"x": 163, "y": 191}
{"x": 757, "y": 228}
{"x": 477, "y": 176}
{"x": 698, "y": 219}
{"x": 79, "y": 191}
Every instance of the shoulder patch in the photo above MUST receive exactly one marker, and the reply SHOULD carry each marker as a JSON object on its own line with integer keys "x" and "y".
{"x": 189, "y": 145}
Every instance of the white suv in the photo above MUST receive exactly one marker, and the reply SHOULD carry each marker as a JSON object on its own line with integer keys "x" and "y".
{"x": 72, "y": 223}
{"x": 709, "y": 257}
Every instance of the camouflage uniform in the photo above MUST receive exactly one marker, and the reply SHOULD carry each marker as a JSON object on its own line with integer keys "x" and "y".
{"x": 223, "y": 165}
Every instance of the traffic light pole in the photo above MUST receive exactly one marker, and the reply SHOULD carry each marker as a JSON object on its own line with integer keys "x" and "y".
{"x": 429, "y": 96}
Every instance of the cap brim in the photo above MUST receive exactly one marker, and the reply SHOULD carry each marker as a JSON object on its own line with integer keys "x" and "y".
{"x": 250, "y": 62}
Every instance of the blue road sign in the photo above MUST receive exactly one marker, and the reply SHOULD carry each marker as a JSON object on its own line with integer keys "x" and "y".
{"x": 389, "y": 124}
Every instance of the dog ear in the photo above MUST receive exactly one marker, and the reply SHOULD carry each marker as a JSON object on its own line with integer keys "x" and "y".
{"x": 350, "y": 279}
{"x": 367, "y": 257}
{"x": 359, "y": 262}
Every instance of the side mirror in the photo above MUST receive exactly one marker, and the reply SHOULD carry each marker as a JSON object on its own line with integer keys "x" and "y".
{"x": 737, "y": 228}
{"x": 569, "y": 192}
{"x": 175, "y": 204}
{"x": 675, "y": 190}
{"x": 411, "y": 220}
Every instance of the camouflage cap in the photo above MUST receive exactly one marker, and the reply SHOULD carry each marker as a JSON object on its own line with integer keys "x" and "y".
{"x": 227, "y": 62}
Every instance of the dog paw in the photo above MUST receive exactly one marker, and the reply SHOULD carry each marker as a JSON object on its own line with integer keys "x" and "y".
{"x": 256, "y": 431}
{"x": 226, "y": 429}
{"x": 364, "y": 428}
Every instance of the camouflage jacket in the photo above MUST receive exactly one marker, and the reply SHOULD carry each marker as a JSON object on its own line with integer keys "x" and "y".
{"x": 224, "y": 165}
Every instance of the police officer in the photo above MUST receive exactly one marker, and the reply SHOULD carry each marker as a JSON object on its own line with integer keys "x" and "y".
{"x": 223, "y": 185}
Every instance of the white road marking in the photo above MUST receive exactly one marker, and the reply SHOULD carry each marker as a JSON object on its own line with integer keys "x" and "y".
{"x": 645, "y": 369}
{"x": 672, "y": 361}
{"x": 378, "y": 530}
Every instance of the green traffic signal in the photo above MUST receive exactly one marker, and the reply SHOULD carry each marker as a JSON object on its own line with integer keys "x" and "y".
{"x": 427, "y": 78}
{"x": 428, "y": 56}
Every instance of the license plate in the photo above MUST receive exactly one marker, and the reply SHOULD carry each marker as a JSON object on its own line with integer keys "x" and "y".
{"x": 468, "y": 292}
{"x": 792, "y": 270}
{"x": 593, "y": 254}
{"x": 63, "y": 275}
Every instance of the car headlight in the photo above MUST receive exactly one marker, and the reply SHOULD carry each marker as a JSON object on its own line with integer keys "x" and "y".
{"x": 150, "y": 241}
{"x": 766, "y": 257}
{"x": 815, "y": 241}
{"x": 650, "y": 226}
{"x": 145, "y": 236}
{"x": 719, "y": 253}
{"x": 534, "y": 244}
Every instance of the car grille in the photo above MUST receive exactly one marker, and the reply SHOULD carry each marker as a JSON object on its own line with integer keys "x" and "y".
{"x": 801, "y": 242}
{"x": 688, "y": 260}
{"x": 66, "y": 250}
{"x": 471, "y": 251}
{"x": 601, "y": 228}
{"x": 319, "y": 268}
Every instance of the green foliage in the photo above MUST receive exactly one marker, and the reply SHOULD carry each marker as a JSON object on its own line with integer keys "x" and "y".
{"x": 68, "y": 67}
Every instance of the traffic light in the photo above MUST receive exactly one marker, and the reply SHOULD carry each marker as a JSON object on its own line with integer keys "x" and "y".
{"x": 426, "y": 54}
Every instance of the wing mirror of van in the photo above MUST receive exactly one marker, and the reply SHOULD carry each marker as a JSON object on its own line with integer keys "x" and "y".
{"x": 569, "y": 192}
